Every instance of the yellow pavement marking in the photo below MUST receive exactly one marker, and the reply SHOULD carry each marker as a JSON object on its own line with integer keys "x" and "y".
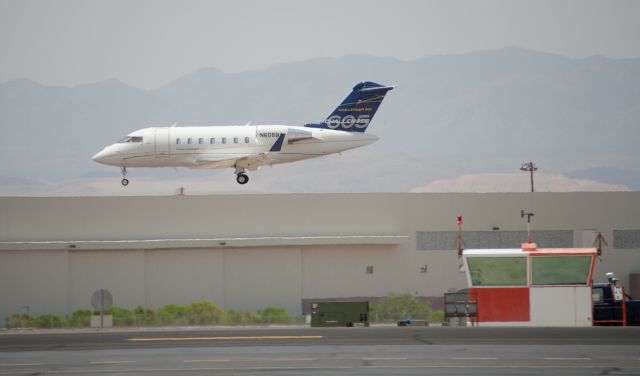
{"x": 256, "y": 338}
{"x": 19, "y": 364}
{"x": 98, "y": 362}
{"x": 205, "y": 360}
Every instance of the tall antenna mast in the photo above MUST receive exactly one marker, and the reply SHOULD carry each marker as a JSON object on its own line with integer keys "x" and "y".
{"x": 599, "y": 241}
{"x": 529, "y": 215}
{"x": 459, "y": 240}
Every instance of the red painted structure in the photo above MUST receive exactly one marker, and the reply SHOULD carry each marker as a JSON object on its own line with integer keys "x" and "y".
{"x": 502, "y": 304}
{"x": 531, "y": 286}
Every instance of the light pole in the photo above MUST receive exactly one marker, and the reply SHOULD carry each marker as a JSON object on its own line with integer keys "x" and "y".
{"x": 529, "y": 166}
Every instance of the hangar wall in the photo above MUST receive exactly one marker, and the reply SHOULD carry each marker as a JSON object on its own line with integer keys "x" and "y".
{"x": 249, "y": 251}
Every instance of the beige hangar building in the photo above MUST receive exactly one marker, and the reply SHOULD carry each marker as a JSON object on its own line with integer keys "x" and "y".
{"x": 246, "y": 252}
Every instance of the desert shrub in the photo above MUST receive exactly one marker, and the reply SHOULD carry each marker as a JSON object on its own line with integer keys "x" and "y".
{"x": 172, "y": 314}
{"x": 80, "y": 318}
{"x": 399, "y": 307}
{"x": 50, "y": 321}
{"x": 203, "y": 312}
{"x": 242, "y": 317}
{"x": 19, "y": 320}
{"x": 437, "y": 316}
{"x": 146, "y": 316}
{"x": 275, "y": 315}
{"x": 121, "y": 316}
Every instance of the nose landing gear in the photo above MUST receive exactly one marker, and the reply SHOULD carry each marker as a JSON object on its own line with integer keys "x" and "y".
{"x": 124, "y": 181}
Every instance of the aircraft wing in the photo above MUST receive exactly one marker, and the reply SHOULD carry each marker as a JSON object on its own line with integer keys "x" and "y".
{"x": 249, "y": 161}
{"x": 253, "y": 162}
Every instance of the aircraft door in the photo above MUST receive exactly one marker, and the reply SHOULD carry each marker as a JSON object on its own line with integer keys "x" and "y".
{"x": 162, "y": 142}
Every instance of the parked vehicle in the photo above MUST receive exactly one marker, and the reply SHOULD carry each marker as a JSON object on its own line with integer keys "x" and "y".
{"x": 612, "y": 306}
{"x": 340, "y": 314}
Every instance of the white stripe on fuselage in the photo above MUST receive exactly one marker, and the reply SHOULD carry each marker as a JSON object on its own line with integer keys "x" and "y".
{"x": 160, "y": 147}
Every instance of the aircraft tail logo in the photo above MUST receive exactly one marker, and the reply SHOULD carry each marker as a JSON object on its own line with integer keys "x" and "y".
{"x": 356, "y": 111}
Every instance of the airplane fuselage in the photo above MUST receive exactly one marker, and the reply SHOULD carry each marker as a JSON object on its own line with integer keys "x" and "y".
{"x": 249, "y": 147}
{"x": 219, "y": 146}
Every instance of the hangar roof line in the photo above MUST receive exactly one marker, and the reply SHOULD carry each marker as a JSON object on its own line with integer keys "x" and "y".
{"x": 270, "y": 241}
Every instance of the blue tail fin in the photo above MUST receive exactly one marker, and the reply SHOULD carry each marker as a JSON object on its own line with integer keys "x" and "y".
{"x": 356, "y": 111}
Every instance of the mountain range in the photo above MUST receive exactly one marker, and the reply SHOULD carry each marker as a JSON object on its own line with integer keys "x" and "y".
{"x": 484, "y": 112}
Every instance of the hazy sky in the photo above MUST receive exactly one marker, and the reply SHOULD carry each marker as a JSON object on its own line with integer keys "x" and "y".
{"x": 149, "y": 43}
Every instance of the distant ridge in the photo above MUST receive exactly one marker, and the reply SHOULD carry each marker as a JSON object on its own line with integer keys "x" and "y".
{"x": 479, "y": 112}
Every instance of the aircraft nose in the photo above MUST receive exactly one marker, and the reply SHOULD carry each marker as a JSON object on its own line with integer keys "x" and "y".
{"x": 99, "y": 157}
{"x": 105, "y": 156}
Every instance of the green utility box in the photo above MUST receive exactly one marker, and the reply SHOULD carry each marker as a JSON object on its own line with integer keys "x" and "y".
{"x": 339, "y": 314}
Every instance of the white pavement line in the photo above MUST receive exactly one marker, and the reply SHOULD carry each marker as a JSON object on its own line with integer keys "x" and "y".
{"x": 384, "y": 358}
{"x": 485, "y": 366}
{"x": 19, "y": 364}
{"x": 183, "y": 370}
{"x": 473, "y": 358}
{"x": 205, "y": 360}
{"x": 112, "y": 362}
{"x": 358, "y": 358}
{"x": 235, "y": 338}
{"x": 298, "y": 368}
{"x": 567, "y": 358}
{"x": 293, "y": 359}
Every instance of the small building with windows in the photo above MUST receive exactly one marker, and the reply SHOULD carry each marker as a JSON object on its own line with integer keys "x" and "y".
{"x": 531, "y": 286}
{"x": 247, "y": 252}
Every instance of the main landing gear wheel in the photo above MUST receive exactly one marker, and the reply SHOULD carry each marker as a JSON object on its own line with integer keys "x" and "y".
{"x": 242, "y": 178}
{"x": 125, "y": 182}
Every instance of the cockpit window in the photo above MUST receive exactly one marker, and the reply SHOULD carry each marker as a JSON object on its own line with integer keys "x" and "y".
{"x": 130, "y": 139}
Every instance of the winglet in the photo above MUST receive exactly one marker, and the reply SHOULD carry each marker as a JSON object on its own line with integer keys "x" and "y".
{"x": 277, "y": 146}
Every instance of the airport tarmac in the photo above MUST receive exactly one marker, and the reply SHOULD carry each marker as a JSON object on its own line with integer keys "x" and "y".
{"x": 323, "y": 351}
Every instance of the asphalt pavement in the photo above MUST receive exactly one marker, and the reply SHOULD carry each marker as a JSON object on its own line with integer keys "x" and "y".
{"x": 323, "y": 351}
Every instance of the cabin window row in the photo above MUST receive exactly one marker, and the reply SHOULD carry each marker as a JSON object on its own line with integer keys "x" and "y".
{"x": 212, "y": 140}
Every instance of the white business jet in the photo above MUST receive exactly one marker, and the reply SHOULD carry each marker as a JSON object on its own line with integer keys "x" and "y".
{"x": 250, "y": 146}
